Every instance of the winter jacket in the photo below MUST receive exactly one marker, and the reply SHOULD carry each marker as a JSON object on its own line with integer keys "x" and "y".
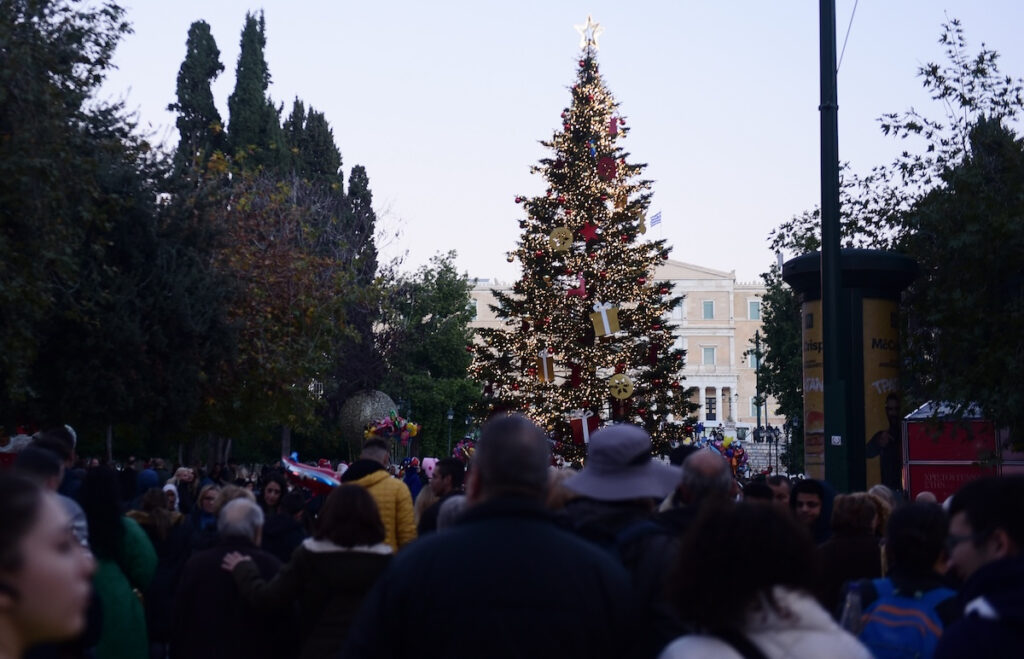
{"x": 211, "y": 621}
{"x": 802, "y": 630}
{"x": 124, "y": 621}
{"x": 172, "y": 551}
{"x": 504, "y": 581}
{"x": 393, "y": 500}
{"x": 282, "y": 534}
{"x": 328, "y": 582}
{"x": 993, "y": 614}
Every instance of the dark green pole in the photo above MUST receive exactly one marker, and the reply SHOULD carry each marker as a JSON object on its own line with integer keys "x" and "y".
{"x": 757, "y": 379}
{"x": 833, "y": 327}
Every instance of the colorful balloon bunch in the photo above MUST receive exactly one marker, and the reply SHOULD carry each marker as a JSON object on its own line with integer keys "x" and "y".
{"x": 392, "y": 427}
{"x": 464, "y": 450}
{"x": 732, "y": 451}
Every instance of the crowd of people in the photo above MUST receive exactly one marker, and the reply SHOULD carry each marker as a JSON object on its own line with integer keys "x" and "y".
{"x": 506, "y": 556}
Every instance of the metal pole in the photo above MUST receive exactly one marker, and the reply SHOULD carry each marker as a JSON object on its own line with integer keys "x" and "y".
{"x": 836, "y": 436}
{"x": 757, "y": 380}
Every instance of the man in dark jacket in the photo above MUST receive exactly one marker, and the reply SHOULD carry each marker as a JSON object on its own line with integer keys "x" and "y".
{"x": 210, "y": 618}
{"x": 446, "y": 482}
{"x": 503, "y": 582}
{"x": 985, "y": 543}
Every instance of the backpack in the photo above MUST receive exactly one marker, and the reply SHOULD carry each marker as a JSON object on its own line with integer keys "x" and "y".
{"x": 902, "y": 626}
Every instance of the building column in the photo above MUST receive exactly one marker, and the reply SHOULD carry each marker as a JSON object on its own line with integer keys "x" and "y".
{"x": 700, "y": 412}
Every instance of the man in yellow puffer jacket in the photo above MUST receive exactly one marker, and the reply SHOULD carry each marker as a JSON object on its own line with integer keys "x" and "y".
{"x": 392, "y": 495}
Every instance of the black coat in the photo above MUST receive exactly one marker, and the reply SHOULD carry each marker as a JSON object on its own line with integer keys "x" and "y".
{"x": 993, "y": 616}
{"x": 327, "y": 581}
{"x": 505, "y": 581}
{"x": 212, "y": 622}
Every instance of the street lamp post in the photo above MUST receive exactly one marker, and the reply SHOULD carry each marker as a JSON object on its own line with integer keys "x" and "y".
{"x": 757, "y": 377}
{"x": 451, "y": 415}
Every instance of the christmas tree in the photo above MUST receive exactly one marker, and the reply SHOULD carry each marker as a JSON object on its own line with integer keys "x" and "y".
{"x": 586, "y": 338}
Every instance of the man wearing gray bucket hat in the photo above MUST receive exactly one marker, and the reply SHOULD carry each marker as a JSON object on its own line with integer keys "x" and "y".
{"x": 620, "y": 467}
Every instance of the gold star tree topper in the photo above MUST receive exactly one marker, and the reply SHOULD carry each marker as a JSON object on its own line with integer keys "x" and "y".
{"x": 589, "y": 32}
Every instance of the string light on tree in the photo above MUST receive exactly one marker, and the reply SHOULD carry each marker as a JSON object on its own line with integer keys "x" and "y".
{"x": 588, "y": 281}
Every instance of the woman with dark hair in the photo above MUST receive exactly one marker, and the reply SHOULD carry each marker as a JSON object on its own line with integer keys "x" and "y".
{"x": 44, "y": 571}
{"x": 744, "y": 578}
{"x": 328, "y": 575}
{"x": 274, "y": 489}
{"x": 171, "y": 538}
{"x": 905, "y": 613}
{"x": 127, "y": 563}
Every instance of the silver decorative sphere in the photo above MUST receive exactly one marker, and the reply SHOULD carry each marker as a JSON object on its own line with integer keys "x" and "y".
{"x": 364, "y": 407}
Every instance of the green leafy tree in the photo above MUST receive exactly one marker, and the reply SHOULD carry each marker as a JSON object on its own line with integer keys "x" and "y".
{"x": 905, "y": 205}
{"x": 780, "y": 368}
{"x": 254, "y": 128}
{"x": 966, "y": 310}
{"x": 200, "y": 129}
{"x": 583, "y": 248}
{"x": 425, "y": 334}
{"x": 53, "y": 57}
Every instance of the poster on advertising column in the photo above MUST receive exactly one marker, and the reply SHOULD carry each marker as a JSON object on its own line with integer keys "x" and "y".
{"x": 883, "y": 429}
{"x": 814, "y": 391}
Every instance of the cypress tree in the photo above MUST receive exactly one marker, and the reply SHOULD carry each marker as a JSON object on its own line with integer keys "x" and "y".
{"x": 199, "y": 123}
{"x": 254, "y": 128}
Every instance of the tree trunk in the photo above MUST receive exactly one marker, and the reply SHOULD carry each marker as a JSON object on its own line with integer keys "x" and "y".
{"x": 286, "y": 441}
{"x": 110, "y": 444}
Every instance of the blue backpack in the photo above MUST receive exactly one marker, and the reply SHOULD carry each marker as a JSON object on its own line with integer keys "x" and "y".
{"x": 902, "y": 626}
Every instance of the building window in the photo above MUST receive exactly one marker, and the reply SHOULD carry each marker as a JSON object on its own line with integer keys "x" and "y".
{"x": 708, "y": 354}
{"x": 753, "y": 407}
{"x": 710, "y": 407}
{"x": 709, "y": 310}
{"x": 754, "y": 309}
{"x": 472, "y": 309}
{"x": 752, "y": 360}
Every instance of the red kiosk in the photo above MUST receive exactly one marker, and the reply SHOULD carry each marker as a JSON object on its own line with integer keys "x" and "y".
{"x": 940, "y": 453}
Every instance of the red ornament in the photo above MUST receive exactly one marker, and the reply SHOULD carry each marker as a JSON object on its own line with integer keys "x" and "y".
{"x": 620, "y": 367}
{"x": 565, "y": 127}
{"x": 592, "y": 255}
{"x": 519, "y": 199}
{"x": 642, "y": 411}
{"x": 603, "y": 274}
{"x": 589, "y": 232}
{"x": 657, "y": 383}
{"x": 539, "y": 253}
{"x": 641, "y": 280}
{"x": 655, "y": 327}
{"x": 663, "y": 290}
{"x": 531, "y": 371}
{"x": 568, "y": 212}
{"x": 515, "y": 386}
{"x": 590, "y": 97}
{"x": 624, "y": 238}
{"x": 469, "y": 348}
{"x": 604, "y": 197}
{"x": 664, "y": 256}
{"x": 583, "y": 63}
{"x": 675, "y": 385}
{"x": 606, "y": 168}
{"x": 561, "y": 198}
{"x": 622, "y": 121}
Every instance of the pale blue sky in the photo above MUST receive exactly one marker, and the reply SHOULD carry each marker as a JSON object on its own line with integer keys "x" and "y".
{"x": 444, "y": 102}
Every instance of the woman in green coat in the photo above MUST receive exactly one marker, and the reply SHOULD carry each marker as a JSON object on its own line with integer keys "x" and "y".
{"x": 126, "y": 562}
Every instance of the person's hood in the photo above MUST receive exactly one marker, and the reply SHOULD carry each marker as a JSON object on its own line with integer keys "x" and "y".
{"x": 996, "y": 591}
{"x": 359, "y": 469}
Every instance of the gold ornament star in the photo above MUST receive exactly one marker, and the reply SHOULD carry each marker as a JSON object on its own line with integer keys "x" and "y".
{"x": 589, "y": 32}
